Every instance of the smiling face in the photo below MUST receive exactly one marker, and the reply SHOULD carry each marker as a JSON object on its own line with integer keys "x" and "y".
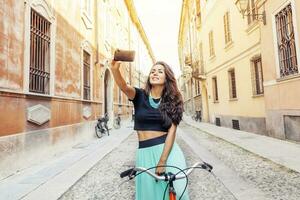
{"x": 157, "y": 75}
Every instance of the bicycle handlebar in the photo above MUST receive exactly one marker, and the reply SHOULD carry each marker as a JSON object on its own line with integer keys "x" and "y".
{"x": 131, "y": 173}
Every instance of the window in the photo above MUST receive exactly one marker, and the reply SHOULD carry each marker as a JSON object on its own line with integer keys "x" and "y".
{"x": 218, "y": 121}
{"x": 215, "y": 89}
{"x": 201, "y": 58}
{"x": 288, "y": 63}
{"x": 227, "y": 28}
{"x": 39, "y": 70}
{"x": 235, "y": 124}
{"x": 252, "y": 11}
{"x": 120, "y": 96}
{"x": 232, "y": 84}
{"x": 211, "y": 44}
{"x": 257, "y": 77}
{"x": 198, "y": 11}
{"x": 86, "y": 13}
{"x": 86, "y": 76}
{"x": 197, "y": 87}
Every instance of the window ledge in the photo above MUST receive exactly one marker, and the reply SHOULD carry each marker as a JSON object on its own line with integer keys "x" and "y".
{"x": 87, "y": 20}
{"x": 216, "y": 101}
{"x": 233, "y": 99}
{"x": 252, "y": 27}
{"x": 31, "y": 94}
{"x": 197, "y": 95}
{"x": 86, "y": 101}
{"x": 257, "y": 95}
{"x": 228, "y": 46}
{"x": 212, "y": 58}
{"x": 122, "y": 104}
{"x": 294, "y": 76}
{"x": 38, "y": 95}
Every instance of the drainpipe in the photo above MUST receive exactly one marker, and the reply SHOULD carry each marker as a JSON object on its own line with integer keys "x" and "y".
{"x": 129, "y": 43}
{"x": 190, "y": 41}
{"x": 96, "y": 32}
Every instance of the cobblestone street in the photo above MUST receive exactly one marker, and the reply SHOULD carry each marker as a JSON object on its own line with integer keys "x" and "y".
{"x": 274, "y": 181}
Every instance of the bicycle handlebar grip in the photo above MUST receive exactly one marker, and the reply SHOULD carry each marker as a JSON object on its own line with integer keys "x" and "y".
{"x": 127, "y": 173}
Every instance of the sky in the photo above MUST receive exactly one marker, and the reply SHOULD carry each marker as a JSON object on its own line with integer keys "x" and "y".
{"x": 160, "y": 20}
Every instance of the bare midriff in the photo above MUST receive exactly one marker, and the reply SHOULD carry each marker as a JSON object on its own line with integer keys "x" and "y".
{"x": 146, "y": 135}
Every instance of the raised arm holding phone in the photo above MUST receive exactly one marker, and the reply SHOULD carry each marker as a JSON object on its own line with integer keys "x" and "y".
{"x": 158, "y": 111}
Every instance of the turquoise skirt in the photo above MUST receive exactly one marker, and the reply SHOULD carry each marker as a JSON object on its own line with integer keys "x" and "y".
{"x": 146, "y": 186}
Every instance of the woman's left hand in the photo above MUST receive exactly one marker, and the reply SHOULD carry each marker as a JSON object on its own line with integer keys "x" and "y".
{"x": 160, "y": 170}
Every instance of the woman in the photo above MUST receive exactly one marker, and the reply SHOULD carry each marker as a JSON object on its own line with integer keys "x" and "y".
{"x": 158, "y": 111}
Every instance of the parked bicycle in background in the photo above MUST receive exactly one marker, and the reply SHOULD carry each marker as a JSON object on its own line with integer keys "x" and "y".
{"x": 101, "y": 127}
{"x": 117, "y": 122}
{"x": 197, "y": 116}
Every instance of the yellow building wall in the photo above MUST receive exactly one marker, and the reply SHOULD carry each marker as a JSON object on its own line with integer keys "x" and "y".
{"x": 245, "y": 45}
{"x": 281, "y": 94}
{"x": 238, "y": 54}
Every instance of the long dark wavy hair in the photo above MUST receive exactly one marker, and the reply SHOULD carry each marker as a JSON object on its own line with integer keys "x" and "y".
{"x": 171, "y": 106}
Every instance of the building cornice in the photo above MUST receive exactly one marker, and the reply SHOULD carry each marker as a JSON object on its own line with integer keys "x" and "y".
{"x": 182, "y": 27}
{"x": 134, "y": 18}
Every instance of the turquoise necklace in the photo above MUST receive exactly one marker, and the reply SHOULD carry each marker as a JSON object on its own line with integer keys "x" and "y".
{"x": 153, "y": 103}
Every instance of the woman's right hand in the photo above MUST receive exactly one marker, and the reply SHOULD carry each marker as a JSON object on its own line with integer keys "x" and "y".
{"x": 115, "y": 64}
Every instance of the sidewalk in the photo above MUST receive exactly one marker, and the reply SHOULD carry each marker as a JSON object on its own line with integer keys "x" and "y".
{"x": 51, "y": 179}
{"x": 282, "y": 152}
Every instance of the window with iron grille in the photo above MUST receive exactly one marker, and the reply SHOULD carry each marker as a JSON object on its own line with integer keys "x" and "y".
{"x": 39, "y": 69}
{"x": 218, "y": 121}
{"x": 286, "y": 42}
{"x": 232, "y": 84}
{"x": 211, "y": 44}
{"x": 227, "y": 28}
{"x": 86, "y": 76}
{"x": 252, "y": 11}
{"x": 215, "y": 89}
{"x": 257, "y": 77}
{"x": 235, "y": 124}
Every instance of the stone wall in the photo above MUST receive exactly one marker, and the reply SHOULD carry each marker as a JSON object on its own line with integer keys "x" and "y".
{"x": 249, "y": 124}
{"x": 19, "y": 151}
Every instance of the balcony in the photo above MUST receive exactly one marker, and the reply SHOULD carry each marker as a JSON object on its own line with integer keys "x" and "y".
{"x": 198, "y": 71}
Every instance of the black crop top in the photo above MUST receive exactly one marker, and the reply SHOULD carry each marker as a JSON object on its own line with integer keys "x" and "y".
{"x": 145, "y": 116}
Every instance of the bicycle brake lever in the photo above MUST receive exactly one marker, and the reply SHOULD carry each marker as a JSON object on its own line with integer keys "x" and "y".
{"x": 126, "y": 173}
{"x": 132, "y": 174}
{"x": 206, "y": 166}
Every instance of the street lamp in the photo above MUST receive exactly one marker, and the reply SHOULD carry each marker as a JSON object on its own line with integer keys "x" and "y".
{"x": 243, "y": 6}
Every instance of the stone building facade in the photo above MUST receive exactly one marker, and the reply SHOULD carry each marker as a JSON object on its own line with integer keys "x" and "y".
{"x": 55, "y": 78}
{"x": 247, "y": 66}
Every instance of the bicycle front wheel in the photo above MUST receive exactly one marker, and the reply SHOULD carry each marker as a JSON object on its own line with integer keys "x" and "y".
{"x": 116, "y": 125}
{"x": 107, "y": 130}
{"x": 98, "y": 132}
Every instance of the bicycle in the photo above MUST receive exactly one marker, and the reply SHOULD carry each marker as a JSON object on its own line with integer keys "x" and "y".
{"x": 101, "y": 127}
{"x": 167, "y": 177}
{"x": 197, "y": 116}
{"x": 117, "y": 122}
